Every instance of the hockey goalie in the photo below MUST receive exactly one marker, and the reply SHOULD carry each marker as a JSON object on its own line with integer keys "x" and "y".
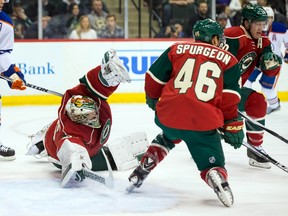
{"x": 77, "y": 138}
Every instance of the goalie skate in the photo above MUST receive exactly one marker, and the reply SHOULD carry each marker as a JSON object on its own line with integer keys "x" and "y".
{"x": 257, "y": 161}
{"x": 221, "y": 187}
{"x": 70, "y": 175}
{"x": 36, "y": 146}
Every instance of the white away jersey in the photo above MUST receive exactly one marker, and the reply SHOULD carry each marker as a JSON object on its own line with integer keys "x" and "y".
{"x": 278, "y": 35}
{"x": 6, "y": 41}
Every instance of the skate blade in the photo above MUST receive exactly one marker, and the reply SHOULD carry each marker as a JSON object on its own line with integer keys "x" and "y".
{"x": 130, "y": 188}
{"x": 254, "y": 163}
{"x": 225, "y": 196}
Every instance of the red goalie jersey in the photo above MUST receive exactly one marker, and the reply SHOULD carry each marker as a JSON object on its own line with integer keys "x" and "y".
{"x": 64, "y": 128}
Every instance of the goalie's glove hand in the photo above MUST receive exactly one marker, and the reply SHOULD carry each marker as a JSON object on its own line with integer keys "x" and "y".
{"x": 151, "y": 102}
{"x": 112, "y": 70}
{"x": 270, "y": 61}
{"x": 232, "y": 132}
{"x": 286, "y": 56}
{"x": 17, "y": 76}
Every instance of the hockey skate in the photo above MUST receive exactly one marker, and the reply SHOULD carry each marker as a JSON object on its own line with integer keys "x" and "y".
{"x": 36, "y": 146}
{"x": 218, "y": 182}
{"x": 6, "y": 153}
{"x": 137, "y": 177}
{"x": 270, "y": 110}
{"x": 257, "y": 161}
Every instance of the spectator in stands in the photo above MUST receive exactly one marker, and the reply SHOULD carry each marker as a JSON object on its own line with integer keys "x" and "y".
{"x": 111, "y": 30}
{"x": 174, "y": 30}
{"x": 85, "y": 7}
{"x": 202, "y": 13}
{"x": 280, "y": 6}
{"x": 32, "y": 31}
{"x": 49, "y": 9}
{"x": 97, "y": 16}
{"x": 277, "y": 6}
{"x": 84, "y": 30}
{"x": 177, "y": 10}
{"x": 236, "y": 16}
{"x": 156, "y": 6}
{"x": 20, "y": 20}
{"x": 73, "y": 17}
{"x": 222, "y": 20}
{"x": 221, "y": 5}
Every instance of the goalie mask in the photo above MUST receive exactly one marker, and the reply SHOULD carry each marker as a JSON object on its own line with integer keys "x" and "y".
{"x": 83, "y": 110}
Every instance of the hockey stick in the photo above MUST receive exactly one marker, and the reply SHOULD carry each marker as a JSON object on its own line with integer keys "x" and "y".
{"x": 34, "y": 87}
{"x": 265, "y": 156}
{"x": 263, "y": 127}
{"x": 107, "y": 181}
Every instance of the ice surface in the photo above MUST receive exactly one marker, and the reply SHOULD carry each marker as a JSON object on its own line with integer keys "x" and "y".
{"x": 30, "y": 186}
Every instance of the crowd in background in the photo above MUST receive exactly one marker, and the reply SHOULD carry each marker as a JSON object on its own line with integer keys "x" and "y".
{"x": 91, "y": 19}
{"x": 67, "y": 19}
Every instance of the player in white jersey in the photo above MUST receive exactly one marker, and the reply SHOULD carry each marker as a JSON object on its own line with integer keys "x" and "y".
{"x": 7, "y": 68}
{"x": 278, "y": 34}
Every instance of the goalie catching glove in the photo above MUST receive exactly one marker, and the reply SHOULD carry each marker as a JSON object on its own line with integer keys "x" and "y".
{"x": 270, "y": 61}
{"x": 17, "y": 76}
{"x": 112, "y": 70}
{"x": 232, "y": 132}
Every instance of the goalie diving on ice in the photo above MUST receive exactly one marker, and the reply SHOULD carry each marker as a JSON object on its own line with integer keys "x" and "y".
{"x": 76, "y": 140}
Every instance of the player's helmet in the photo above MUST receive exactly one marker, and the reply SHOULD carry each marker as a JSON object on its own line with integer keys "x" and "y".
{"x": 253, "y": 12}
{"x": 83, "y": 110}
{"x": 205, "y": 30}
{"x": 269, "y": 11}
{"x": 6, "y": 1}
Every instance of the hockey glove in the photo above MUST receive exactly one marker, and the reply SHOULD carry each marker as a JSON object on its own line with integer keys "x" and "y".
{"x": 232, "y": 132}
{"x": 270, "y": 61}
{"x": 151, "y": 102}
{"x": 286, "y": 56}
{"x": 18, "y": 78}
{"x": 112, "y": 70}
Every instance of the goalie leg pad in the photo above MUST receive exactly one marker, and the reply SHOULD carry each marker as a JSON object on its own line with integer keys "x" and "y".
{"x": 73, "y": 158}
{"x": 128, "y": 151}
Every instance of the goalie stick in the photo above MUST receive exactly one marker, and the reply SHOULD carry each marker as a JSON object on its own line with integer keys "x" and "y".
{"x": 34, "y": 87}
{"x": 263, "y": 127}
{"x": 265, "y": 156}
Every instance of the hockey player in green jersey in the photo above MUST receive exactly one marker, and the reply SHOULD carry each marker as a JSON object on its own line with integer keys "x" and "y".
{"x": 252, "y": 48}
{"x": 194, "y": 90}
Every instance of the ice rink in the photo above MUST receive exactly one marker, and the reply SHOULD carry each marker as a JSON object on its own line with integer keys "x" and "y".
{"x": 31, "y": 187}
